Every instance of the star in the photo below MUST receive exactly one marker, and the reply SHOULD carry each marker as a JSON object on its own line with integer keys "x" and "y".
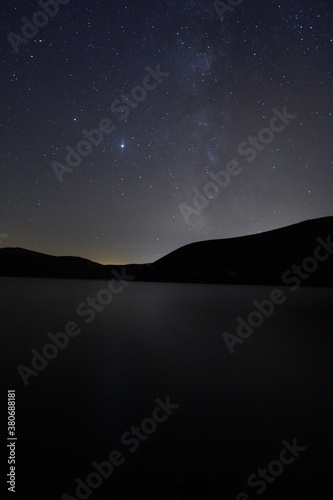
{"x": 172, "y": 136}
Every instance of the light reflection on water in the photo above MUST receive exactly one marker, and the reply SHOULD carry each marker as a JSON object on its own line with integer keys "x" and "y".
{"x": 156, "y": 340}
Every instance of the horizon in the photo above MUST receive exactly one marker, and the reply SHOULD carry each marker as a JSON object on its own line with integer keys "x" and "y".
{"x": 113, "y": 263}
{"x": 166, "y": 248}
{"x": 151, "y": 126}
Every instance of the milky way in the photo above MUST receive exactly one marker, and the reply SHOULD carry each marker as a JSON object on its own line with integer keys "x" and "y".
{"x": 227, "y": 74}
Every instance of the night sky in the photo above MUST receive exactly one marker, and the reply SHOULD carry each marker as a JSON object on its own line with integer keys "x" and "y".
{"x": 223, "y": 75}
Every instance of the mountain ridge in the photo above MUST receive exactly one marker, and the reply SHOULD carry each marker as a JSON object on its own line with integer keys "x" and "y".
{"x": 251, "y": 259}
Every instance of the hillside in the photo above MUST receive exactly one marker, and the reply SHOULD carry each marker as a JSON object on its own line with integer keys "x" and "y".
{"x": 256, "y": 259}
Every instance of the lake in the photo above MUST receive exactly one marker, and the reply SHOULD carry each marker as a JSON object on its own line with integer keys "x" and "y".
{"x": 151, "y": 383}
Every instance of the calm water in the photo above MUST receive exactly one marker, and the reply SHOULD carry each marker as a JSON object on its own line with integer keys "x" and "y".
{"x": 159, "y": 340}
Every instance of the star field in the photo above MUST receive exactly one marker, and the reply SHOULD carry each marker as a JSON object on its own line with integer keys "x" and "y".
{"x": 121, "y": 204}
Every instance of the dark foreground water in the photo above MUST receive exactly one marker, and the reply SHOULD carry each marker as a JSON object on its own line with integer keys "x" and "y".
{"x": 231, "y": 414}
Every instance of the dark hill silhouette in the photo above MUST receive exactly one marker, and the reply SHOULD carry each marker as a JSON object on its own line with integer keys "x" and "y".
{"x": 21, "y": 262}
{"x": 254, "y": 259}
